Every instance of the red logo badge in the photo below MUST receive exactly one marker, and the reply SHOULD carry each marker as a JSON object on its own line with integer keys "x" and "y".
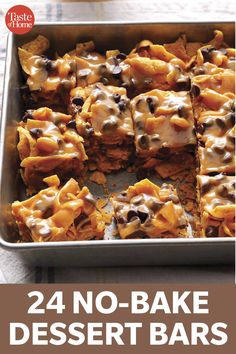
{"x": 19, "y": 19}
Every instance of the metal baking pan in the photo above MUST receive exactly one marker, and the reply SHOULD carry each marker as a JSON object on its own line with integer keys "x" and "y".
{"x": 106, "y": 35}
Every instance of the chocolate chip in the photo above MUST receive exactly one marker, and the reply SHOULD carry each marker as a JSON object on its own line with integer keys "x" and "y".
{"x": 122, "y": 105}
{"x": 116, "y": 71}
{"x": 201, "y": 128}
{"x": 233, "y": 106}
{"x": 90, "y": 199}
{"x": 231, "y": 118}
{"x": 206, "y": 53}
{"x": 199, "y": 71}
{"x": 131, "y": 213}
{"x": 121, "y": 56}
{"x": 110, "y": 125}
{"x": 83, "y": 73}
{"x": 201, "y": 143}
{"x": 121, "y": 220}
{"x": 219, "y": 149}
{"x": 139, "y": 124}
{"x": 182, "y": 111}
{"x": 222, "y": 191}
{"x": 220, "y": 123}
{"x": 205, "y": 188}
{"x": 141, "y": 104}
{"x": 102, "y": 69}
{"x": 36, "y": 132}
{"x": 105, "y": 81}
{"x": 209, "y": 123}
{"x": 116, "y": 97}
{"x": 47, "y": 213}
{"x": 154, "y": 205}
{"x": 212, "y": 231}
{"x": 195, "y": 90}
{"x": 231, "y": 139}
{"x": 71, "y": 124}
{"x": 78, "y": 101}
{"x": 183, "y": 84}
{"x": 28, "y": 115}
{"x": 50, "y": 65}
{"x": 164, "y": 150}
{"x": 231, "y": 197}
{"x": 143, "y": 142}
{"x": 142, "y": 216}
{"x": 227, "y": 157}
{"x": 150, "y": 104}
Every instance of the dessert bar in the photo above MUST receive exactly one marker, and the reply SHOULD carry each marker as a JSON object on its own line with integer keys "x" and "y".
{"x": 57, "y": 213}
{"x": 146, "y": 210}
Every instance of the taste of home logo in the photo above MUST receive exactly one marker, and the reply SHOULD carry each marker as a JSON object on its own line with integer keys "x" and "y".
{"x": 19, "y": 19}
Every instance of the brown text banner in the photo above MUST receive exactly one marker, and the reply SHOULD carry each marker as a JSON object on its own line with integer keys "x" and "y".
{"x": 111, "y": 318}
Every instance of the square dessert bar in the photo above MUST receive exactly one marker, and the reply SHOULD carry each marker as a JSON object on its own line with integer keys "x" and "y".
{"x": 103, "y": 119}
{"x": 90, "y": 65}
{"x": 215, "y": 125}
{"x": 151, "y": 66}
{"x": 59, "y": 214}
{"x": 222, "y": 82}
{"x": 148, "y": 211}
{"x": 213, "y": 55}
{"x": 48, "y": 145}
{"x": 48, "y": 81}
{"x": 217, "y": 205}
{"x": 163, "y": 124}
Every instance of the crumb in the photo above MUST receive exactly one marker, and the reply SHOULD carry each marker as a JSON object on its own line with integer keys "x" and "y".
{"x": 188, "y": 190}
{"x": 131, "y": 169}
{"x": 106, "y": 216}
{"x": 98, "y": 177}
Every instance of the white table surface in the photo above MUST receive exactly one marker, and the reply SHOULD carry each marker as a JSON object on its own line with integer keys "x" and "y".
{"x": 12, "y": 269}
